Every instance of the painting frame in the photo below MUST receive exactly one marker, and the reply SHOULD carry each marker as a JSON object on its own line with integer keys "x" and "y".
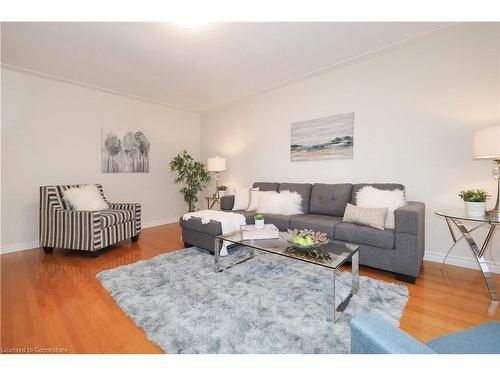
{"x": 124, "y": 150}
{"x": 323, "y": 138}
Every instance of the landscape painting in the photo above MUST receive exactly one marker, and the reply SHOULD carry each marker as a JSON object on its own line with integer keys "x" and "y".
{"x": 124, "y": 151}
{"x": 323, "y": 138}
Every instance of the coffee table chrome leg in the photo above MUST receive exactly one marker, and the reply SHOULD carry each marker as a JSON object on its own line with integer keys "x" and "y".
{"x": 216, "y": 254}
{"x": 332, "y": 316}
{"x": 355, "y": 274}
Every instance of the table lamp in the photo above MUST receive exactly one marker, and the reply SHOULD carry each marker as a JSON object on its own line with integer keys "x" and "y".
{"x": 216, "y": 165}
{"x": 487, "y": 146}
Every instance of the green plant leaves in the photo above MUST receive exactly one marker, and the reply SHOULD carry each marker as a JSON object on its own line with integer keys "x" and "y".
{"x": 192, "y": 174}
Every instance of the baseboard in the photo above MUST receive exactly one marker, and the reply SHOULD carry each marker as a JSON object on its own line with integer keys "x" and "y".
{"x": 19, "y": 247}
{"x": 155, "y": 223}
{"x": 460, "y": 261}
{"x": 22, "y": 246}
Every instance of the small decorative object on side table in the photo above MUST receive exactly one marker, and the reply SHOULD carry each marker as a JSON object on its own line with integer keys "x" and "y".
{"x": 475, "y": 201}
{"x": 456, "y": 217}
{"x": 221, "y": 190}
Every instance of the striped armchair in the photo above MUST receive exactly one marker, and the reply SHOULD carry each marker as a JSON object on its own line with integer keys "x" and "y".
{"x": 63, "y": 227}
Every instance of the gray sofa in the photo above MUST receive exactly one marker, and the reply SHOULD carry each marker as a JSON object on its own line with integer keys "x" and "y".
{"x": 400, "y": 251}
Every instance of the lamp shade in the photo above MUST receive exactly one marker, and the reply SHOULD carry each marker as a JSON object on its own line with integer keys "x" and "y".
{"x": 487, "y": 143}
{"x": 216, "y": 164}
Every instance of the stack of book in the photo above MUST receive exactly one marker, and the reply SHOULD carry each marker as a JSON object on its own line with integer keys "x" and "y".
{"x": 250, "y": 232}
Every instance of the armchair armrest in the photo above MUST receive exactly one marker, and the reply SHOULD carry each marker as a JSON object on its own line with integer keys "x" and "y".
{"x": 227, "y": 202}
{"x": 124, "y": 206}
{"x": 136, "y": 207}
{"x": 371, "y": 334}
{"x": 410, "y": 219}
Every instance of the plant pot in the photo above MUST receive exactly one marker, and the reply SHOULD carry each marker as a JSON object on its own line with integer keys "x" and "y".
{"x": 259, "y": 223}
{"x": 476, "y": 209}
{"x": 222, "y": 193}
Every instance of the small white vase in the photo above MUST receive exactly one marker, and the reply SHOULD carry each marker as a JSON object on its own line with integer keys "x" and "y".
{"x": 222, "y": 193}
{"x": 476, "y": 209}
{"x": 259, "y": 224}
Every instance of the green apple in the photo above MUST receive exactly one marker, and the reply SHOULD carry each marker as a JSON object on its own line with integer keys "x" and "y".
{"x": 298, "y": 240}
{"x": 309, "y": 241}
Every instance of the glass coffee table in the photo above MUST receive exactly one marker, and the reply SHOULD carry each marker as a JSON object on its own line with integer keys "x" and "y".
{"x": 331, "y": 255}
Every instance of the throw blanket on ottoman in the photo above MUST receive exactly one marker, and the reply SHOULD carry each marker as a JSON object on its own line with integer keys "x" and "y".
{"x": 229, "y": 221}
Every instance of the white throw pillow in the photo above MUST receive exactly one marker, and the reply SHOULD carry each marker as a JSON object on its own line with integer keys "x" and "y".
{"x": 371, "y": 217}
{"x": 85, "y": 198}
{"x": 291, "y": 203}
{"x": 241, "y": 199}
{"x": 282, "y": 203}
{"x": 371, "y": 197}
{"x": 254, "y": 199}
{"x": 268, "y": 203}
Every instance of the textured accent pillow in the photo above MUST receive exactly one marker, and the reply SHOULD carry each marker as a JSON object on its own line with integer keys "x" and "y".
{"x": 85, "y": 198}
{"x": 254, "y": 199}
{"x": 291, "y": 203}
{"x": 376, "y": 198}
{"x": 282, "y": 203}
{"x": 371, "y": 217}
{"x": 268, "y": 203}
{"x": 241, "y": 199}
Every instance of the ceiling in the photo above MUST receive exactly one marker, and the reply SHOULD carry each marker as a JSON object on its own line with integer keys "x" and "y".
{"x": 193, "y": 68}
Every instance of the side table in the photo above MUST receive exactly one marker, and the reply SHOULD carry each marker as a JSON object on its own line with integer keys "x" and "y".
{"x": 211, "y": 201}
{"x": 456, "y": 216}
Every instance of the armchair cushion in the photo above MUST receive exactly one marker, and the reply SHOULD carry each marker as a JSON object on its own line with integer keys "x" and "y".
{"x": 114, "y": 217}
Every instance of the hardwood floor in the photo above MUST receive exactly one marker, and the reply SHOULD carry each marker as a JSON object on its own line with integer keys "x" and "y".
{"x": 55, "y": 301}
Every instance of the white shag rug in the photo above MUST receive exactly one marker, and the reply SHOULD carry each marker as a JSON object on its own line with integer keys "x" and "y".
{"x": 269, "y": 304}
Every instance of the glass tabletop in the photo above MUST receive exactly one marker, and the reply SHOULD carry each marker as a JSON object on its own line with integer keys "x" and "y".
{"x": 460, "y": 214}
{"x": 331, "y": 254}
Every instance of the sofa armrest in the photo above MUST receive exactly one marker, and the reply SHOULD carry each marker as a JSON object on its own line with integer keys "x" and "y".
{"x": 371, "y": 334}
{"x": 227, "y": 202}
{"x": 410, "y": 219}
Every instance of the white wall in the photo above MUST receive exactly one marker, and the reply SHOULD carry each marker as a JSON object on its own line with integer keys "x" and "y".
{"x": 416, "y": 107}
{"x": 51, "y": 134}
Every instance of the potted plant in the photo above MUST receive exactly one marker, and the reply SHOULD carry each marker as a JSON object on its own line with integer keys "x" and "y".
{"x": 475, "y": 201}
{"x": 221, "y": 190}
{"x": 192, "y": 174}
{"x": 259, "y": 221}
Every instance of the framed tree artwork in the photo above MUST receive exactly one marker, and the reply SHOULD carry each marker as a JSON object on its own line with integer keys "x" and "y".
{"x": 124, "y": 151}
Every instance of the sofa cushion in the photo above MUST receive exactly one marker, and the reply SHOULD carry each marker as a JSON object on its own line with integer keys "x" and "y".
{"x": 357, "y": 187}
{"x": 329, "y": 199}
{"x": 282, "y": 222}
{"x": 365, "y": 235}
{"x": 267, "y": 186}
{"x": 304, "y": 190}
{"x": 322, "y": 223}
{"x": 110, "y": 218}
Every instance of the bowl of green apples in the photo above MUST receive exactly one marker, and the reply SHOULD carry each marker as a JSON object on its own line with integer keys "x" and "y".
{"x": 302, "y": 242}
{"x": 305, "y": 238}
